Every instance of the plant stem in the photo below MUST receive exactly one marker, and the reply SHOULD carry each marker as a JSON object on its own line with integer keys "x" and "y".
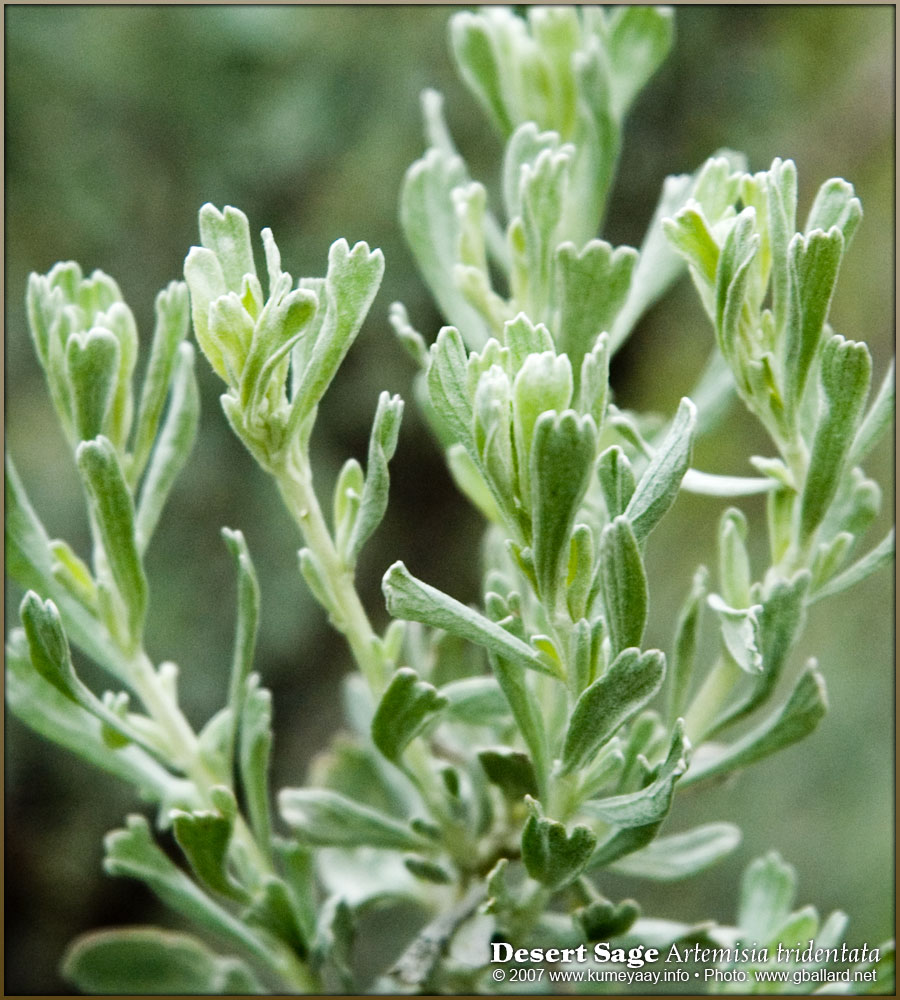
{"x": 295, "y": 484}
{"x": 186, "y": 755}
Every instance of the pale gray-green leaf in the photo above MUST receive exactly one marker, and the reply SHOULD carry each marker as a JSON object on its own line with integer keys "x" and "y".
{"x": 552, "y": 855}
{"x": 92, "y": 367}
{"x": 173, "y": 446}
{"x": 611, "y": 701}
{"x": 562, "y": 460}
{"x": 846, "y": 372}
{"x": 382, "y": 445}
{"x": 113, "y": 512}
{"x": 325, "y": 818}
{"x": 796, "y": 719}
{"x": 649, "y": 805}
{"x": 148, "y": 960}
{"x": 172, "y": 322}
{"x": 406, "y": 708}
{"x": 623, "y": 584}
{"x": 681, "y": 855}
{"x": 658, "y": 486}
{"x": 413, "y": 600}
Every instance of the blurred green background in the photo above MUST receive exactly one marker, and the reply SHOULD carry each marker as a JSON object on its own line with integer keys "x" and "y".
{"x": 122, "y": 121}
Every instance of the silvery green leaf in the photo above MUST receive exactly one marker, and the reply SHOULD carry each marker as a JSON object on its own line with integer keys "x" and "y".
{"x": 350, "y": 285}
{"x": 254, "y": 751}
{"x": 684, "y": 649}
{"x": 855, "y": 506}
{"x": 732, "y": 275}
{"x": 332, "y": 944}
{"x": 246, "y": 628}
{"x": 173, "y": 446}
{"x": 780, "y": 185}
{"x": 408, "y": 336}
{"x": 206, "y": 281}
{"x": 846, "y": 372}
{"x": 623, "y": 584}
{"x": 227, "y": 235}
{"x": 829, "y": 558}
{"x": 51, "y": 320}
{"x": 274, "y": 909}
{"x": 558, "y": 34}
{"x": 797, "y": 718}
{"x": 413, "y": 600}
{"x": 534, "y": 235}
{"x": 348, "y": 490}
{"x": 476, "y": 701}
{"x": 231, "y": 329}
{"x": 132, "y": 961}
{"x": 879, "y": 418}
{"x": 511, "y": 770}
{"x": 649, "y": 805}
{"x": 119, "y": 320}
{"x": 613, "y": 699}
{"x": 446, "y": 379}
{"x": 49, "y": 649}
{"x": 623, "y": 842}
{"x": 543, "y": 383}
{"x": 690, "y": 235}
{"x": 881, "y": 555}
{"x": 767, "y": 894}
{"x": 562, "y": 460}
{"x": 204, "y": 837}
{"x": 616, "y": 480}
{"x": 523, "y": 147}
{"x": 60, "y": 720}
{"x": 713, "y": 189}
{"x": 284, "y": 320}
{"x": 322, "y": 817}
{"x": 592, "y": 286}
{"x": 132, "y": 852}
{"x": 645, "y": 738}
{"x": 779, "y": 621}
{"x": 406, "y": 708}
{"x": 669, "y": 859}
{"x": 553, "y": 856}
{"x": 602, "y": 919}
{"x": 740, "y": 633}
{"x": 710, "y": 484}
{"x": 593, "y": 384}
{"x": 835, "y": 206}
{"x": 814, "y": 261}
{"x": 172, "y": 321}
{"x": 524, "y": 338}
{"x": 432, "y": 230}
{"x": 527, "y": 714}
{"x": 493, "y": 437}
{"x": 72, "y": 572}
{"x": 382, "y": 445}
{"x": 734, "y": 561}
{"x": 113, "y": 513}
{"x": 638, "y": 40}
{"x": 92, "y": 367}
{"x": 428, "y": 871}
{"x": 474, "y": 53}
{"x": 658, "y": 486}
{"x": 297, "y": 864}
{"x": 580, "y": 571}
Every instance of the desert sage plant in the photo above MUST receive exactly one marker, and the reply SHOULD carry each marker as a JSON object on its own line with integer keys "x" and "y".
{"x": 502, "y": 758}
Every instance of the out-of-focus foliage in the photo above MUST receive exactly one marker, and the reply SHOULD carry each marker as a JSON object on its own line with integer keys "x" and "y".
{"x": 121, "y": 121}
